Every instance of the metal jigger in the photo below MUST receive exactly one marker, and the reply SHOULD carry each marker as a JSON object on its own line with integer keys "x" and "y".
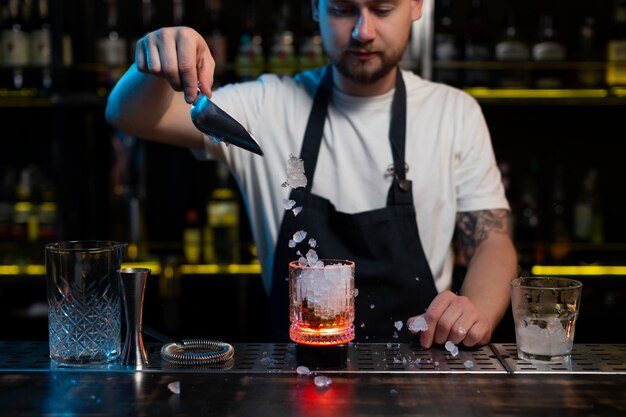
{"x": 134, "y": 285}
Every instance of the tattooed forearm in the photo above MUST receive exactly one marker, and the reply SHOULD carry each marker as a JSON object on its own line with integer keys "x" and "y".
{"x": 473, "y": 227}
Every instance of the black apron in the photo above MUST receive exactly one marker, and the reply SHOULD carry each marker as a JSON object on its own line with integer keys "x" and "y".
{"x": 392, "y": 276}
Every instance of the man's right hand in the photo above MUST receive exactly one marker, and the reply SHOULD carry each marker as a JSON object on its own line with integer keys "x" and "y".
{"x": 181, "y": 56}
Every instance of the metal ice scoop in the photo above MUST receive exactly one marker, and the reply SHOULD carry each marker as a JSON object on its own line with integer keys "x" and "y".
{"x": 218, "y": 124}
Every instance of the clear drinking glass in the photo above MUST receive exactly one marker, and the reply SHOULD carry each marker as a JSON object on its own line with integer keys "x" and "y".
{"x": 545, "y": 310}
{"x": 84, "y": 301}
{"x": 321, "y": 300}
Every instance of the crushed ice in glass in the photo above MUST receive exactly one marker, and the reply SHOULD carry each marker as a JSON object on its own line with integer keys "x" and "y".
{"x": 174, "y": 387}
{"x": 322, "y": 381}
{"x": 295, "y": 173}
{"x": 303, "y": 370}
{"x": 418, "y": 325}
{"x": 398, "y": 325}
{"x": 302, "y": 261}
{"x": 313, "y": 259}
{"x": 296, "y": 210}
{"x": 452, "y": 348}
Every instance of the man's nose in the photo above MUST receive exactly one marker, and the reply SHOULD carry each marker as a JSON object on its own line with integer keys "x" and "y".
{"x": 364, "y": 29}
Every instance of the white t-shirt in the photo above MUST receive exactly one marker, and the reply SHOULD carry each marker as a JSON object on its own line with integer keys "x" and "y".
{"x": 448, "y": 150}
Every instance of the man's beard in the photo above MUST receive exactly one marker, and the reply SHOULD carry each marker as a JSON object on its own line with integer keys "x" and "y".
{"x": 357, "y": 73}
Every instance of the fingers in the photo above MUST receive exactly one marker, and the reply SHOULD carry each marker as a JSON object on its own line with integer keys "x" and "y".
{"x": 456, "y": 319}
{"x": 179, "y": 55}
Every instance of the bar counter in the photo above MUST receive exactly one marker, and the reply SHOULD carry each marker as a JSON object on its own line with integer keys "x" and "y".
{"x": 379, "y": 380}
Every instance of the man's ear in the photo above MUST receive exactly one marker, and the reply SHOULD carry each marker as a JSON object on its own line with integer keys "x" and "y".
{"x": 416, "y": 9}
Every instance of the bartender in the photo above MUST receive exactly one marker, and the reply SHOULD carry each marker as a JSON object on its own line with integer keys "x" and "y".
{"x": 399, "y": 169}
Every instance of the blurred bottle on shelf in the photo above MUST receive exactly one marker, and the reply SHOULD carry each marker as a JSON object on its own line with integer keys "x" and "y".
{"x": 560, "y": 240}
{"x": 528, "y": 222}
{"x": 192, "y": 237}
{"x": 548, "y": 50}
{"x": 47, "y": 211}
{"x": 505, "y": 173}
{"x": 221, "y": 233}
{"x": 588, "y": 218}
{"x": 616, "y": 47}
{"x": 41, "y": 48}
{"x": 215, "y": 36}
{"x": 14, "y": 48}
{"x": 591, "y": 71}
{"x": 282, "y": 58}
{"x": 447, "y": 49}
{"x": 513, "y": 52}
{"x": 477, "y": 48}
{"x": 250, "y": 61}
{"x": 310, "y": 52}
{"x": 112, "y": 48}
{"x": 7, "y": 194}
{"x": 147, "y": 23}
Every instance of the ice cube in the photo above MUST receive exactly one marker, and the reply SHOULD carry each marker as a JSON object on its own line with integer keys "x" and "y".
{"x": 303, "y": 261}
{"x": 398, "y": 325}
{"x": 322, "y": 381}
{"x": 452, "y": 348}
{"x": 372, "y": 306}
{"x": 288, "y": 204}
{"x": 295, "y": 172}
{"x": 296, "y": 210}
{"x": 292, "y": 243}
{"x": 303, "y": 370}
{"x": 299, "y": 236}
{"x": 312, "y": 242}
{"x": 311, "y": 257}
{"x": 174, "y": 387}
{"x": 418, "y": 325}
{"x": 468, "y": 364}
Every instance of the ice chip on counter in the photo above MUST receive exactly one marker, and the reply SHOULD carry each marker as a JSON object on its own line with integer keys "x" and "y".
{"x": 398, "y": 325}
{"x": 322, "y": 381}
{"x": 312, "y": 242}
{"x": 452, "y": 348}
{"x": 288, "y": 204}
{"x": 303, "y": 370}
{"x": 418, "y": 325}
{"x": 468, "y": 364}
{"x": 174, "y": 387}
{"x": 299, "y": 236}
{"x": 296, "y": 210}
{"x": 295, "y": 173}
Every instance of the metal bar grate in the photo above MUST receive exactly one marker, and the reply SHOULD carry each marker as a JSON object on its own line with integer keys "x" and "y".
{"x": 362, "y": 358}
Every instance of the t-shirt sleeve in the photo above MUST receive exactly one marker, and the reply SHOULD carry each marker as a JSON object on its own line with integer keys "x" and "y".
{"x": 478, "y": 179}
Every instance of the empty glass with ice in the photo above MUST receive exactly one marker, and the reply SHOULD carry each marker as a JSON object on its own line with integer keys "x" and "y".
{"x": 321, "y": 300}
{"x": 545, "y": 310}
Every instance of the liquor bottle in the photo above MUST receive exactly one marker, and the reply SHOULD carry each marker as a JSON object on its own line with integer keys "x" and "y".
{"x": 25, "y": 225}
{"x": 47, "y": 212}
{"x": 616, "y": 47}
{"x": 560, "y": 241}
{"x": 147, "y": 23}
{"x": 310, "y": 52}
{"x": 192, "y": 237}
{"x": 528, "y": 217}
{"x": 477, "y": 48}
{"x": 513, "y": 51}
{"x": 250, "y": 62}
{"x": 505, "y": 173}
{"x": 588, "y": 219}
{"x": 112, "y": 48}
{"x": 221, "y": 233}
{"x": 41, "y": 48}
{"x": 14, "y": 48}
{"x": 548, "y": 49}
{"x": 6, "y": 203}
{"x": 447, "y": 47}
{"x": 215, "y": 37}
{"x": 590, "y": 74}
{"x": 282, "y": 59}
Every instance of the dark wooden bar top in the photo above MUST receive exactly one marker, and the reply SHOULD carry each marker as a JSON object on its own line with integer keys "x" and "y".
{"x": 271, "y": 386}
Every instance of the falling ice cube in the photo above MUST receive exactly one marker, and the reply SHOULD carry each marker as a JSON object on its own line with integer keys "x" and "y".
{"x": 312, "y": 242}
{"x": 452, "y": 348}
{"x": 299, "y": 236}
{"x": 418, "y": 325}
{"x": 296, "y": 210}
{"x": 174, "y": 387}
{"x": 288, "y": 204}
{"x": 303, "y": 261}
{"x": 398, "y": 325}
{"x": 295, "y": 172}
{"x": 292, "y": 243}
